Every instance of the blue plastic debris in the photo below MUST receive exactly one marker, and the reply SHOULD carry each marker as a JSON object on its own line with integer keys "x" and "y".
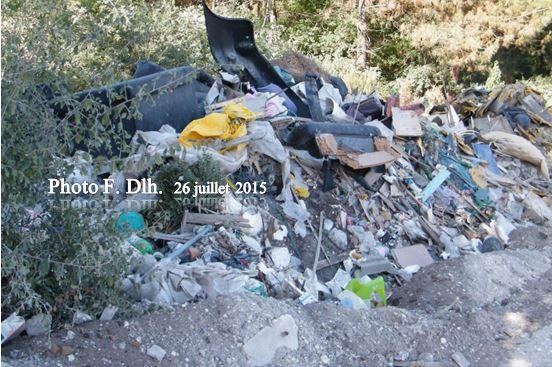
{"x": 461, "y": 177}
{"x": 484, "y": 152}
{"x": 130, "y": 222}
{"x": 435, "y": 183}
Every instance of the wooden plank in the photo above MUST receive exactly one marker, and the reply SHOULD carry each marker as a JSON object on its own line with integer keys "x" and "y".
{"x": 367, "y": 160}
{"x": 327, "y": 144}
{"x": 228, "y": 219}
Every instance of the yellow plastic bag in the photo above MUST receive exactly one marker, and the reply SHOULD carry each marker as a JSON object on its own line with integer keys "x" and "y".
{"x": 239, "y": 113}
{"x": 212, "y": 126}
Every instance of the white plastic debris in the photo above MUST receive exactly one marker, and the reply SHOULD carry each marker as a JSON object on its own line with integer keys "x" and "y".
{"x": 414, "y": 230}
{"x": 299, "y": 213}
{"x": 232, "y": 205}
{"x": 300, "y": 228}
{"x": 252, "y": 243}
{"x": 307, "y": 298}
{"x": 339, "y": 281}
{"x": 451, "y": 250}
{"x": 328, "y": 224}
{"x": 350, "y": 300}
{"x": 70, "y": 335}
{"x": 12, "y": 326}
{"x": 462, "y": 242}
{"x": 212, "y": 95}
{"x": 179, "y": 283}
{"x": 280, "y": 257}
{"x": 295, "y": 211}
{"x": 538, "y": 206}
{"x": 255, "y": 221}
{"x": 230, "y": 78}
{"x": 306, "y": 159}
{"x": 166, "y": 137}
{"x": 271, "y": 146}
{"x": 280, "y": 234}
{"x": 108, "y": 313}
{"x": 502, "y": 227}
{"x": 407, "y": 272}
{"x": 328, "y": 91}
{"x": 339, "y": 238}
{"x": 260, "y": 349}
{"x": 367, "y": 242}
{"x": 312, "y": 285}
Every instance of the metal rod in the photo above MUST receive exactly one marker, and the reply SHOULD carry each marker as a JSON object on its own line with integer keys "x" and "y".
{"x": 319, "y": 244}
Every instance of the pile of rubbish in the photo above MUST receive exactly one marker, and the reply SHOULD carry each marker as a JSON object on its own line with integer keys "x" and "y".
{"x": 328, "y": 195}
{"x": 372, "y": 199}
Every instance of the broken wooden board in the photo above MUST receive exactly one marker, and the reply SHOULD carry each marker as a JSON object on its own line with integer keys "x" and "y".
{"x": 406, "y": 123}
{"x": 367, "y": 160}
{"x": 327, "y": 144}
{"x": 226, "y": 219}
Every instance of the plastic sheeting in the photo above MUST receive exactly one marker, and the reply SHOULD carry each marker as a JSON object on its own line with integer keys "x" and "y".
{"x": 212, "y": 126}
{"x": 179, "y": 283}
{"x": 269, "y": 145}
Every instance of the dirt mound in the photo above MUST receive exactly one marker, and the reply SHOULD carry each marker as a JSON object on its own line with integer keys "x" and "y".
{"x": 511, "y": 324}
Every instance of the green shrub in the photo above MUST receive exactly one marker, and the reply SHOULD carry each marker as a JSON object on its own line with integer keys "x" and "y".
{"x": 62, "y": 261}
{"x": 167, "y": 214}
{"x": 70, "y": 259}
{"x": 321, "y": 36}
{"x": 303, "y": 7}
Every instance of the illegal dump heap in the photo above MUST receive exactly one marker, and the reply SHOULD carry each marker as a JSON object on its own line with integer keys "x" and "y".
{"x": 326, "y": 195}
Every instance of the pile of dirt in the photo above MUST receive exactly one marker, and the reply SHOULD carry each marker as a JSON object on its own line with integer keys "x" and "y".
{"x": 494, "y": 309}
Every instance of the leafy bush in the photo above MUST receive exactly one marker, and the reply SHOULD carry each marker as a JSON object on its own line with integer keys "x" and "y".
{"x": 320, "y": 35}
{"x": 171, "y": 206}
{"x": 416, "y": 80}
{"x": 392, "y": 52}
{"x": 58, "y": 262}
{"x": 70, "y": 259}
{"x": 304, "y": 7}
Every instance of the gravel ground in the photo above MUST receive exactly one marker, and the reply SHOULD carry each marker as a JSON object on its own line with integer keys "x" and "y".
{"x": 494, "y": 308}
